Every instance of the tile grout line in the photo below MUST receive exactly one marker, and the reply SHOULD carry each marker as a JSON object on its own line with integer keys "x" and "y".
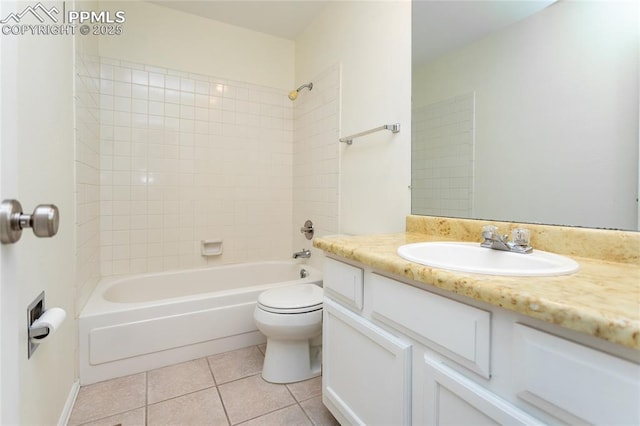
{"x": 146, "y": 398}
{"x": 298, "y": 404}
{"x": 215, "y": 382}
{"x": 306, "y": 414}
{"x": 181, "y": 395}
{"x": 224, "y": 407}
{"x": 264, "y": 414}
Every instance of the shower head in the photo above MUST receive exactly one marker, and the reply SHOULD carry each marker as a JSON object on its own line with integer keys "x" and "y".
{"x": 293, "y": 95}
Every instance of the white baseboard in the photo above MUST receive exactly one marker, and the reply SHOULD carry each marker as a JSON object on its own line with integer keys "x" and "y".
{"x": 68, "y": 406}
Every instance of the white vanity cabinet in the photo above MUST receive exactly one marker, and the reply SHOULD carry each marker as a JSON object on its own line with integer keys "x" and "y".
{"x": 450, "y": 338}
{"x": 394, "y": 354}
{"x": 366, "y": 370}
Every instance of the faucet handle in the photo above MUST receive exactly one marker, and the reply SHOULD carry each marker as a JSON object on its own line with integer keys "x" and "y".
{"x": 489, "y": 232}
{"x": 520, "y": 236}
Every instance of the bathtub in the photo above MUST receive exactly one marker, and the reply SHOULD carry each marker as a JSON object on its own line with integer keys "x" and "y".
{"x": 137, "y": 323}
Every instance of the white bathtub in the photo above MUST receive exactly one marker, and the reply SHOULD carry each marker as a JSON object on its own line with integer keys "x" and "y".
{"x": 141, "y": 322}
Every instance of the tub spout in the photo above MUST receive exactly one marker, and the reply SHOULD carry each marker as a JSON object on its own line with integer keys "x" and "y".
{"x": 304, "y": 253}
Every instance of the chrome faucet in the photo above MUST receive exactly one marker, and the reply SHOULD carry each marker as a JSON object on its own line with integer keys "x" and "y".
{"x": 304, "y": 253}
{"x": 519, "y": 240}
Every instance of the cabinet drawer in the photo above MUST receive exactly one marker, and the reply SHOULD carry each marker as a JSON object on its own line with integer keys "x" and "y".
{"x": 573, "y": 382}
{"x": 343, "y": 282}
{"x": 459, "y": 331}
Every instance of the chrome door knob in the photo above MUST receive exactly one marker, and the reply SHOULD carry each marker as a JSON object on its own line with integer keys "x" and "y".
{"x": 44, "y": 221}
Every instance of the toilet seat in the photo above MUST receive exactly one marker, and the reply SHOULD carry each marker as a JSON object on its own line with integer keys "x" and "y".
{"x": 294, "y": 299}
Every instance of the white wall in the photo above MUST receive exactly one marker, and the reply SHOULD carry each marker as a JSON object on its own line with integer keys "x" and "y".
{"x": 167, "y": 38}
{"x": 556, "y": 114}
{"x": 372, "y": 42}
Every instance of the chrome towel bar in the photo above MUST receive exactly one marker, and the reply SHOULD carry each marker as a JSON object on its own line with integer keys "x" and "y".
{"x": 395, "y": 128}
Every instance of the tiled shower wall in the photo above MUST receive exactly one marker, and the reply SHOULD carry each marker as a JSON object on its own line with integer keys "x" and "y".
{"x": 316, "y": 158}
{"x": 442, "y": 157}
{"x": 87, "y": 164}
{"x": 185, "y": 158}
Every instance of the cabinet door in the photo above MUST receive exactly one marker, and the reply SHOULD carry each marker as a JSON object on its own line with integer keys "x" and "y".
{"x": 447, "y": 397}
{"x": 366, "y": 370}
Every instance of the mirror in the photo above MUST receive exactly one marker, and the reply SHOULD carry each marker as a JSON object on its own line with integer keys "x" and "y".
{"x": 535, "y": 121}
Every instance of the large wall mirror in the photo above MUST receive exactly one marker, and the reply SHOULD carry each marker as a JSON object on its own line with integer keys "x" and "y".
{"x": 532, "y": 118}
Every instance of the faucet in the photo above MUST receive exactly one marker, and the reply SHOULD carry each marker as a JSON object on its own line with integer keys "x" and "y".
{"x": 493, "y": 240}
{"x": 304, "y": 253}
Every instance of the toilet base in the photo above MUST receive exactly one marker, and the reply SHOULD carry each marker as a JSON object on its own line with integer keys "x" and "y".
{"x": 289, "y": 361}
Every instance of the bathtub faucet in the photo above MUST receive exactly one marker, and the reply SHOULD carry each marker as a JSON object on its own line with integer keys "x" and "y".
{"x": 304, "y": 253}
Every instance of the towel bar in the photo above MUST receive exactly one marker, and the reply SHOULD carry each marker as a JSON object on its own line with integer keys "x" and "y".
{"x": 395, "y": 128}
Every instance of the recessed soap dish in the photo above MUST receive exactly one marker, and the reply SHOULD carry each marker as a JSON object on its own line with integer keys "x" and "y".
{"x": 211, "y": 247}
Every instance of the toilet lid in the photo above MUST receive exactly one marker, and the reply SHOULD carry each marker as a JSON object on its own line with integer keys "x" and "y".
{"x": 292, "y": 299}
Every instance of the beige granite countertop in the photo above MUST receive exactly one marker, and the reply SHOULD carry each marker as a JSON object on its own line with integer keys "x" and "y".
{"x": 601, "y": 299}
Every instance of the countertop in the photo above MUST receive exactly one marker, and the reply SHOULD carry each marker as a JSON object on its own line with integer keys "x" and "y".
{"x": 602, "y": 299}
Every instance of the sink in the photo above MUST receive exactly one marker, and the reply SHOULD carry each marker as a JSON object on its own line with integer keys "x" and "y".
{"x": 470, "y": 257}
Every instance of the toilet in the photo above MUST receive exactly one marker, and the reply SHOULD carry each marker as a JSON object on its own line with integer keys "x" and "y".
{"x": 291, "y": 318}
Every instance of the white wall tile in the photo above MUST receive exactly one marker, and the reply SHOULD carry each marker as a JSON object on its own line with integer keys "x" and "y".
{"x": 206, "y": 160}
{"x": 442, "y": 157}
{"x": 140, "y": 91}
{"x": 315, "y": 160}
{"x": 87, "y": 145}
{"x": 172, "y": 82}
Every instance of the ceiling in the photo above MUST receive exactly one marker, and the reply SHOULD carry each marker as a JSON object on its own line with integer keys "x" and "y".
{"x": 286, "y": 19}
{"x": 437, "y": 25}
{"x": 440, "y": 26}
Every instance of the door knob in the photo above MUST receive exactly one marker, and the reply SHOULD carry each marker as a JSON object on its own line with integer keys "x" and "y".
{"x": 44, "y": 221}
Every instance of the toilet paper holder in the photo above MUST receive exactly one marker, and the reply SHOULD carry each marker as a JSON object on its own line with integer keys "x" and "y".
{"x": 41, "y": 323}
{"x": 35, "y": 311}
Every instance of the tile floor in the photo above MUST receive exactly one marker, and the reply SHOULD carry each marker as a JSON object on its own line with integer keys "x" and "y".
{"x": 223, "y": 389}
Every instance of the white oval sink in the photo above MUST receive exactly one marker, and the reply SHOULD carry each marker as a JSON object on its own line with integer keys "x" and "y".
{"x": 470, "y": 257}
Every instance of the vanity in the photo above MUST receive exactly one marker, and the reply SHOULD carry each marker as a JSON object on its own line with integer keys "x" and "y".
{"x": 405, "y": 343}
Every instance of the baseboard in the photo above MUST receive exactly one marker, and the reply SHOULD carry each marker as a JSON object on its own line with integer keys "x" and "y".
{"x": 68, "y": 406}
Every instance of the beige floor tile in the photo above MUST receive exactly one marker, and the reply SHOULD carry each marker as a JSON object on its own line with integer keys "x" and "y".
{"x": 290, "y": 416}
{"x": 236, "y": 364}
{"x": 130, "y": 418}
{"x": 263, "y": 348}
{"x": 318, "y": 413}
{"x": 105, "y": 399}
{"x": 308, "y": 389}
{"x": 180, "y": 379}
{"x": 197, "y": 409}
{"x": 252, "y": 397}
